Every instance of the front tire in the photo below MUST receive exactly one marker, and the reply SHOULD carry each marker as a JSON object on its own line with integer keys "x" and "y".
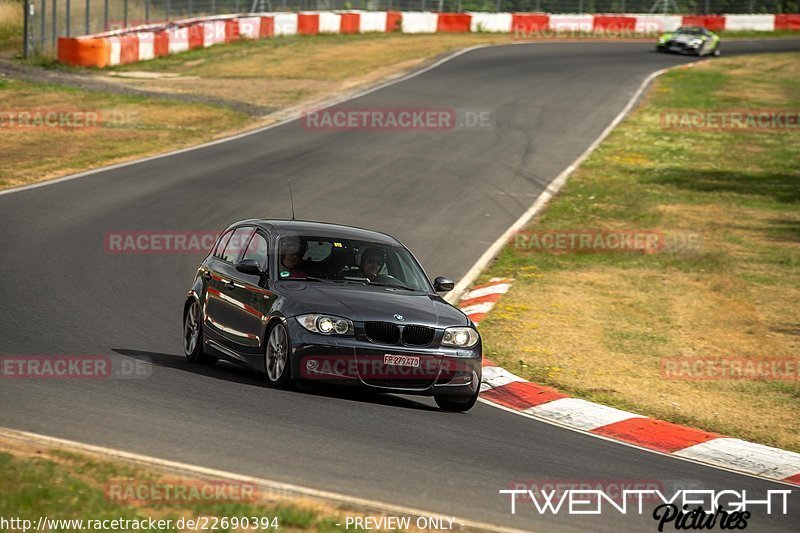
{"x": 193, "y": 336}
{"x": 276, "y": 356}
{"x": 456, "y": 406}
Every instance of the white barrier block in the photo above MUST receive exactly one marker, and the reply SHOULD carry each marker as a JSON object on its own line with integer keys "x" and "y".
{"x": 571, "y": 23}
{"x": 116, "y": 50}
{"x": 418, "y": 22}
{"x": 146, "y": 45}
{"x": 250, "y": 27}
{"x": 178, "y": 39}
{"x": 286, "y": 24}
{"x": 492, "y": 22}
{"x": 213, "y": 32}
{"x": 750, "y": 22}
{"x": 329, "y": 22}
{"x": 372, "y": 21}
{"x": 657, "y": 23}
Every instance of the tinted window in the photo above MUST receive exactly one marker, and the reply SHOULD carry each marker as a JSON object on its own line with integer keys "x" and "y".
{"x": 220, "y": 247}
{"x": 257, "y": 249}
{"x": 236, "y": 244}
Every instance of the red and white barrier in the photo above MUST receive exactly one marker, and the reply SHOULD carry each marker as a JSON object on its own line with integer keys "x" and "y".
{"x": 148, "y": 42}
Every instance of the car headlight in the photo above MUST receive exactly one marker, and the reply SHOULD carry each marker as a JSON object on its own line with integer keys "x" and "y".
{"x": 326, "y": 324}
{"x": 696, "y": 42}
{"x": 461, "y": 337}
{"x": 662, "y": 38}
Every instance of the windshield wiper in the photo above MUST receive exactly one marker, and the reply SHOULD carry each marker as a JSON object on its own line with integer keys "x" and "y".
{"x": 392, "y": 286}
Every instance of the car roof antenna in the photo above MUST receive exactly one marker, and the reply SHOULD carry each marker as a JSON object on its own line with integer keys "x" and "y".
{"x": 291, "y": 198}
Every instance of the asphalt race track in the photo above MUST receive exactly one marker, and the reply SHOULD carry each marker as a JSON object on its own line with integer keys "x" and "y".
{"x": 447, "y": 195}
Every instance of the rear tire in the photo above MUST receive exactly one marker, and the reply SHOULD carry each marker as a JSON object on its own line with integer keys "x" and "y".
{"x": 193, "y": 342}
{"x": 277, "y": 364}
{"x": 456, "y": 406}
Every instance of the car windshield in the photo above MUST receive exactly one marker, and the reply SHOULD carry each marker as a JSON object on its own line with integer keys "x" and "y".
{"x": 335, "y": 260}
{"x": 691, "y": 30}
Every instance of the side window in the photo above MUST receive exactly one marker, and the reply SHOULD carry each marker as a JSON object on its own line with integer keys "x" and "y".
{"x": 236, "y": 244}
{"x": 257, "y": 249}
{"x": 220, "y": 247}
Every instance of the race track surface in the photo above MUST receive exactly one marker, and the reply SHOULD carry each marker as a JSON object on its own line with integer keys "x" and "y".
{"x": 447, "y": 195}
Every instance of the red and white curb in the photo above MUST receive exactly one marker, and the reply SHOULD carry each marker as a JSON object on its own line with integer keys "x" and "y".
{"x": 502, "y": 388}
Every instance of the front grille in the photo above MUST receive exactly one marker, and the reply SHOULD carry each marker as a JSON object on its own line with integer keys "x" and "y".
{"x": 382, "y": 332}
{"x": 417, "y": 335}
{"x": 418, "y": 383}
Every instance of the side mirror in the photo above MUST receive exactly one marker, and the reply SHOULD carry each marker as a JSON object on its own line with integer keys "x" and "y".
{"x": 249, "y": 266}
{"x": 442, "y": 284}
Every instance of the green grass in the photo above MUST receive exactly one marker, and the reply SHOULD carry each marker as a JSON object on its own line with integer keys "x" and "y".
{"x": 66, "y": 485}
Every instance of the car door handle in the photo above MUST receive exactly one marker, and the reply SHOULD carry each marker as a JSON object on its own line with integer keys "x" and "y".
{"x": 229, "y": 284}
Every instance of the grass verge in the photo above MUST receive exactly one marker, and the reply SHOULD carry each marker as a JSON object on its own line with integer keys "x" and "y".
{"x": 11, "y": 27}
{"x": 48, "y": 482}
{"x": 727, "y": 284}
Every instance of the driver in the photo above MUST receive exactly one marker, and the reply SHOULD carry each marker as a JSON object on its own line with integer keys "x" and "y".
{"x": 372, "y": 261}
{"x": 291, "y": 253}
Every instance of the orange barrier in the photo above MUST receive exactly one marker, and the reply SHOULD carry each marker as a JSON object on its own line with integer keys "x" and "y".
{"x": 614, "y": 23}
{"x": 394, "y": 21}
{"x": 787, "y": 22}
{"x": 711, "y": 22}
{"x": 231, "y": 30}
{"x": 267, "y": 28}
{"x": 196, "y": 33}
{"x": 307, "y": 23}
{"x": 84, "y": 52}
{"x": 453, "y": 23}
{"x": 350, "y": 23}
{"x": 160, "y": 43}
{"x": 529, "y": 22}
{"x": 129, "y": 49}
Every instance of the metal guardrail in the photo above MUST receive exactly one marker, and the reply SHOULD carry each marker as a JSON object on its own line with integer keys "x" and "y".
{"x": 46, "y": 20}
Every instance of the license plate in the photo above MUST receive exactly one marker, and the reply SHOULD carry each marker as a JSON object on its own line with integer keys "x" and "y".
{"x": 401, "y": 360}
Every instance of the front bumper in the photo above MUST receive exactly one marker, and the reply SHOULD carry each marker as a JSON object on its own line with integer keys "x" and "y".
{"x": 353, "y": 361}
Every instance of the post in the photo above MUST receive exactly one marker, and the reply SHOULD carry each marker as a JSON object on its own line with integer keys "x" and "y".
{"x": 27, "y": 7}
{"x": 167, "y": 7}
{"x": 147, "y": 11}
{"x": 43, "y": 16}
{"x": 125, "y": 14}
{"x": 53, "y": 25}
{"x": 68, "y": 21}
{"x": 86, "y": 30}
{"x": 105, "y": 15}
{"x": 191, "y": 8}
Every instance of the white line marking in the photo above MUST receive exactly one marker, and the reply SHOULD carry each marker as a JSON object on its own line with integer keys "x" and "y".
{"x": 287, "y": 488}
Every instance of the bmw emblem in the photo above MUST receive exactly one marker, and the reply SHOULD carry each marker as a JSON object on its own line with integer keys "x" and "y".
{"x": 400, "y": 317}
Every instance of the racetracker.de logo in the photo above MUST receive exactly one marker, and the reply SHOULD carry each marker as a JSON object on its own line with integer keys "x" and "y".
{"x": 730, "y": 368}
{"x": 588, "y": 241}
{"x": 731, "y": 120}
{"x": 134, "y": 491}
{"x": 73, "y": 119}
{"x": 398, "y": 119}
{"x": 71, "y": 367}
{"x": 161, "y": 241}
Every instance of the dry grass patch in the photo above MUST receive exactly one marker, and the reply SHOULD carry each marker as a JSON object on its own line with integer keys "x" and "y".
{"x": 599, "y": 325}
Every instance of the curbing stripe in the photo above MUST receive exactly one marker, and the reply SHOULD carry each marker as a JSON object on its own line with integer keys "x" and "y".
{"x": 746, "y": 456}
{"x": 655, "y": 434}
{"x": 581, "y": 414}
{"x": 504, "y": 390}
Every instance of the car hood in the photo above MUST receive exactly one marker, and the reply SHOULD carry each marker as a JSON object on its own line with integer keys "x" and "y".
{"x": 362, "y": 304}
{"x": 686, "y": 38}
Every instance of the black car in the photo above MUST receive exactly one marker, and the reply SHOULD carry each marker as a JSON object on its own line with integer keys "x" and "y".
{"x": 311, "y": 301}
